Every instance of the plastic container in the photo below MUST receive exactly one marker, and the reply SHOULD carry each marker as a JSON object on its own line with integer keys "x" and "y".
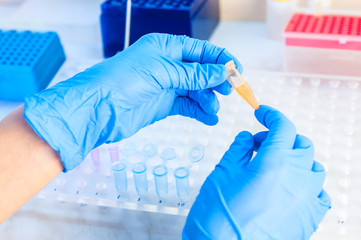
{"x": 328, "y": 44}
{"x": 278, "y": 14}
{"x": 28, "y": 62}
{"x": 197, "y": 18}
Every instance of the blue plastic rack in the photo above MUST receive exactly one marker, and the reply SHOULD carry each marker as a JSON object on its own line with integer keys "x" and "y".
{"x": 28, "y": 62}
{"x": 194, "y": 18}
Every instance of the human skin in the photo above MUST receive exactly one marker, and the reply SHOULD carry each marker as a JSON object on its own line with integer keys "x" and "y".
{"x": 27, "y": 163}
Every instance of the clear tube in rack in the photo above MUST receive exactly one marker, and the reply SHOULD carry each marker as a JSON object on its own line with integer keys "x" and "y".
{"x": 114, "y": 153}
{"x": 196, "y": 153}
{"x": 140, "y": 178}
{"x": 181, "y": 175}
{"x": 240, "y": 85}
{"x": 95, "y": 156}
{"x": 120, "y": 177}
{"x": 160, "y": 173}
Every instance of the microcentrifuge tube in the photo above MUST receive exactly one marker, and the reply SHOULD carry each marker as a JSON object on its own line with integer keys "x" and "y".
{"x": 240, "y": 85}
{"x": 168, "y": 154}
{"x": 181, "y": 175}
{"x": 196, "y": 153}
{"x": 149, "y": 150}
{"x": 114, "y": 153}
{"x": 120, "y": 177}
{"x": 140, "y": 178}
{"x": 95, "y": 155}
{"x": 160, "y": 173}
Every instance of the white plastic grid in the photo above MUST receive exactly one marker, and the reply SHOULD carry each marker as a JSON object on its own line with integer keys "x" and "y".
{"x": 324, "y": 109}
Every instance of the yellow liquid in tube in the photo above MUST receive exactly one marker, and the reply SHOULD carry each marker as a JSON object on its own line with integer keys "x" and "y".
{"x": 246, "y": 93}
{"x": 240, "y": 85}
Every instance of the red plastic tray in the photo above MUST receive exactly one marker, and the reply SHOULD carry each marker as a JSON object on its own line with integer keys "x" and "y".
{"x": 327, "y": 31}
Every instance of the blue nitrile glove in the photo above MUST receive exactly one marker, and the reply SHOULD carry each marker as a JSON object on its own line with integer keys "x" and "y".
{"x": 158, "y": 76}
{"x": 277, "y": 195}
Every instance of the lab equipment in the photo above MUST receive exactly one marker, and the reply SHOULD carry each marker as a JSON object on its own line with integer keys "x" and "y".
{"x": 28, "y": 62}
{"x": 130, "y": 149}
{"x": 114, "y": 153}
{"x": 149, "y": 150}
{"x": 160, "y": 173}
{"x": 182, "y": 88}
{"x": 196, "y": 153}
{"x": 168, "y": 154}
{"x": 181, "y": 175}
{"x": 120, "y": 177}
{"x": 140, "y": 179}
{"x": 327, "y": 44}
{"x": 269, "y": 181}
{"x": 278, "y": 14}
{"x": 194, "y": 18}
{"x": 95, "y": 155}
{"x": 240, "y": 85}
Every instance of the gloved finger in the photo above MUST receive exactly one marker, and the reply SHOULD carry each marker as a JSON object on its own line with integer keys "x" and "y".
{"x": 183, "y": 48}
{"x": 188, "y": 108}
{"x": 207, "y": 99}
{"x": 258, "y": 139}
{"x": 194, "y": 50}
{"x": 224, "y": 89}
{"x": 325, "y": 199}
{"x": 316, "y": 180}
{"x": 241, "y": 150}
{"x": 282, "y": 132}
{"x": 304, "y": 149}
{"x": 303, "y": 143}
{"x": 194, "y": 76}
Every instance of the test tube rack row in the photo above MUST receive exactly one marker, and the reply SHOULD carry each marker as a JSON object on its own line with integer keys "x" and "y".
{"x": 28, "y": 62}
{"x": 133, "y": 176}
{"x": 325, "y": 109}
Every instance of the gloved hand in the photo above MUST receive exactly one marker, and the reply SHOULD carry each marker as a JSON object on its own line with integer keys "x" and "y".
{"x": 276, "y": 195}
{"x": 158, "y": 76}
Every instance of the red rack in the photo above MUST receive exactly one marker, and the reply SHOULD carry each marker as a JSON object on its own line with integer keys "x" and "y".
{"x": 327, "y": 31}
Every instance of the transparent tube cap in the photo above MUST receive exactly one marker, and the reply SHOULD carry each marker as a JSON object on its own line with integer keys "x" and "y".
{"x": 130, "y": 149}
{"x": 149, "y": 150}
{"x": 160, "y": 170}
{"x": 168, "y": 154}
{"x": 196, "y": 153}
{"x": 119, "y": 166}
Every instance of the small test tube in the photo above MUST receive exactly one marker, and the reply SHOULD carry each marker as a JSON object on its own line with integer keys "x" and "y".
{"x": 114, "y": 153}
{"x": 95, "y": 156}
{"x": 120, "y": 177}
{"x": 140, "y": 178}
{"x": 196, "y": 153}
{"x": 149, "y": 150}
{"x": 160, "y": 173}
{"x": 240, "y": 85}
{"x": 181, "y": 175}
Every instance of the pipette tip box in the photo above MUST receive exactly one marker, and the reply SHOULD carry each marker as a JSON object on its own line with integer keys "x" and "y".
{"x": 194, "y": 18}
{"x": 28, "y": 62}
{"x": 327, "y": 44}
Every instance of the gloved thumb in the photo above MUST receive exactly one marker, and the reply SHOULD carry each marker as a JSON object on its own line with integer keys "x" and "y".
{"x": 241, "y": 150}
